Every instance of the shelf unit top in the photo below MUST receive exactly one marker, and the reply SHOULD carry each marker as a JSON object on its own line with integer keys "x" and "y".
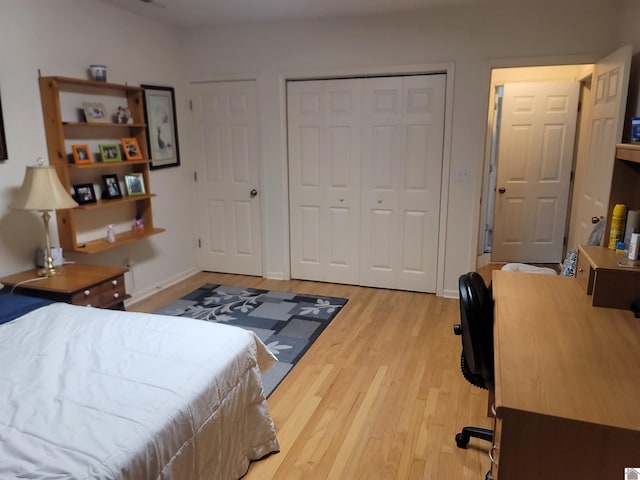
{"x": 80, "y": 85}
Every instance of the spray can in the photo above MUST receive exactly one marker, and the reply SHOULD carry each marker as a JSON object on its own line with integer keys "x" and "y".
{"x": 617, "y": 225}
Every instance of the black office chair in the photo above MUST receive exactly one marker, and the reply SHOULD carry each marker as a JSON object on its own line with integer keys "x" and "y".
{"x": 476, "y": 329}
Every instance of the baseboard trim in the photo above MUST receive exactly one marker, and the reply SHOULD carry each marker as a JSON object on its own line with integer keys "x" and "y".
{"x": 450, "y": 293}
{"x": 168, "y": 282}
{"x": 276, "y": 276}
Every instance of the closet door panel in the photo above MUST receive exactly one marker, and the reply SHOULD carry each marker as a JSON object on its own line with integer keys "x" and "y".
{"x": 403, "y": 130}
{"x": 324, "y": 163}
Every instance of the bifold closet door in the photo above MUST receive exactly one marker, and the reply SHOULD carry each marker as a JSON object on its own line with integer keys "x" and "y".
{"x": 365, "y": 162}
{"x": 402, "y": 147}
{"x": 324, "y": 170}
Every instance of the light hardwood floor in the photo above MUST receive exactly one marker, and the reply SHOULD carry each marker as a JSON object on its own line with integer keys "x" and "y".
{"x": 378, "y": 396}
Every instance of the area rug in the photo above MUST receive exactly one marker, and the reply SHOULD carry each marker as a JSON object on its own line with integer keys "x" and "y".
{"x": 287, "y": 322}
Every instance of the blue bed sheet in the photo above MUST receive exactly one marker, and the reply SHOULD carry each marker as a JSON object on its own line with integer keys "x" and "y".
{"x": 13, "y": 306}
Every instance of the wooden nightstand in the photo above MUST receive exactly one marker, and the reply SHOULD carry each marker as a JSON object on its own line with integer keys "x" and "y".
{"x": 89, "y": 285}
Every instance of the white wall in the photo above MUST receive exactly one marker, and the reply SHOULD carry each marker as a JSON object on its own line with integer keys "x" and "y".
{"x": 63, "y": 37}
{"x": 472, "y": 38}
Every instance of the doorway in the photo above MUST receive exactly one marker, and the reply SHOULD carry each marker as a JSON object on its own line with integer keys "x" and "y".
{"x": 512, "y": 76}
{"x": 599, "y": 128}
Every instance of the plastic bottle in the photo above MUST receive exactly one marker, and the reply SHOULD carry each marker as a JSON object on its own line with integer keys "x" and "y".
{"x": 111, "y": 234}
{"x": 617, "y": 225}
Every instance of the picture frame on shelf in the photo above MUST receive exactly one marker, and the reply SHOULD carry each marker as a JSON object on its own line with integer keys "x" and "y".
{"x": 162, "y": 127}
{"x": 84, "y": 193}
{"x": 110, "y": 152}
{"x": 95, "y": 112}
{"x": 131, "y": 149}
{"x": 81, "y": 154}
{"x": 111, "y": 187}
{"x": 135, "y": 184}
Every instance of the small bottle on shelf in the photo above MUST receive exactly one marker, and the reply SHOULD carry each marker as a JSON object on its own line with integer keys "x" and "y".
{"x": 138, "y": 224}
{"x": 111, "y": 234}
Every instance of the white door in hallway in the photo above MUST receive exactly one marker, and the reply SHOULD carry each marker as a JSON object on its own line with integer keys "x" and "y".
{"x": 609, "y": 87}
{"x": 402, "y": 147}
{"x": 535, "y": 157}
{"x": 365, "y": 161}
{"x": 226, "y": 148}
{"x": 324, "y": 175}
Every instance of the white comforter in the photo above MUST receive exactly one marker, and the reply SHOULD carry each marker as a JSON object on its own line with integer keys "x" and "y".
{"x": 88, "y": 393}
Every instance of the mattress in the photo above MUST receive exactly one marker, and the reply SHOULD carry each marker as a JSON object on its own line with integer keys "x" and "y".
{"x": 97, "y": 394}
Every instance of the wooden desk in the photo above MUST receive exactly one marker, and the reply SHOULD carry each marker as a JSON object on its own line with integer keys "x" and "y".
{"x": 567, "y": 382}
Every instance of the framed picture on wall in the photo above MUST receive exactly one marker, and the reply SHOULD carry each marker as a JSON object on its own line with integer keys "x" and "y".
{"x": 3, "y": 141}
{"x": 162, "y": 129}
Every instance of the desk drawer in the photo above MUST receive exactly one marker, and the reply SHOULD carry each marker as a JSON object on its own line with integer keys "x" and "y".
{"x": 102, "y": 294}
{"x": 585, "y": 274}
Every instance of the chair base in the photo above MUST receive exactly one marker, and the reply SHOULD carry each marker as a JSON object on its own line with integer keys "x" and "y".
{"x": 462, "y": 438}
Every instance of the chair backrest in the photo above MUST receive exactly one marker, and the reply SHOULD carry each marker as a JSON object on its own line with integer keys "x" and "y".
{"x": 476, "y": 320}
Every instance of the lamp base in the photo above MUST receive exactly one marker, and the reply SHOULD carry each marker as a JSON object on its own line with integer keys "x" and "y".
{"x": 49, "y": 271}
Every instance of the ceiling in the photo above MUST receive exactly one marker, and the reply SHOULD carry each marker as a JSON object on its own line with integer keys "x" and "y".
{"x": 206, "y": 13}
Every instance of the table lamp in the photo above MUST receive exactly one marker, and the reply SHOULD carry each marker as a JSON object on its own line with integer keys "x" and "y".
{"x": 41, "y": 190}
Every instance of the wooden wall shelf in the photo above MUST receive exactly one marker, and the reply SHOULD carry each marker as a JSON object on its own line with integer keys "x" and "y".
{"x": 61, "y": 132}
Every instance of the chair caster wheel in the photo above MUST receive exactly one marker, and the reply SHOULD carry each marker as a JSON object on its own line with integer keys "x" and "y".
{"x": 462, "y": 440}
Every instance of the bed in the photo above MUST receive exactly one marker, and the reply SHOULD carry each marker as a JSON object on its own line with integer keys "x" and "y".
{"x": 87, "y": 393}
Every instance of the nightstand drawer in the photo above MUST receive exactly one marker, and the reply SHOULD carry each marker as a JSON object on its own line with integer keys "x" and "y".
{"x": 585, "y": 274}
{"x": 102, "y": 294}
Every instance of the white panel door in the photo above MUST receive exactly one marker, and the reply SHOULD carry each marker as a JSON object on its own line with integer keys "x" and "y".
{"x": 402, "y": 147}
{"x": 609, "y": 95}
{"x": 226, "y": 148}
{"x": 324, "y": 169}
{"x": 534, "y": 166}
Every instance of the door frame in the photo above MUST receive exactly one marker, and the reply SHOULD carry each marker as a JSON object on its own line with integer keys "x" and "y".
{"x": 325, "y": 74}
{"x": 586, "y": 61}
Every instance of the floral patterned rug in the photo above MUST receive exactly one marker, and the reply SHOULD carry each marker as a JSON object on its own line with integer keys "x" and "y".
{"x": 288, "y": 323}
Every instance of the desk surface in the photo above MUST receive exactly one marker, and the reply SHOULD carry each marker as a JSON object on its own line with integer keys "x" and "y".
{"x": 557, "y": 355}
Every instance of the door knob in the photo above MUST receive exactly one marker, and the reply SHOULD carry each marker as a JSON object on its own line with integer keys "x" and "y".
{"x": 253, "y": 193}
{"x": 594, "y": 220}
{"x": 502, "y": 190}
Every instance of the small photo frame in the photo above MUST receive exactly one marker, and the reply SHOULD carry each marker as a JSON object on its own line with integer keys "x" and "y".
{"x": 81, "y": 154}
{"x": 110, "y": 153}
{"x": 95, "y": 112}
{"x": 131, "y": 149}
{"x": 111, "y": 187}
{"x": 134, "y": 183}
{"x": 84, "y": 193}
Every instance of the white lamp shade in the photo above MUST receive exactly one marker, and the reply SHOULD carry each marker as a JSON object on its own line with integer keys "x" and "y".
{"x": 42, "y": 190}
